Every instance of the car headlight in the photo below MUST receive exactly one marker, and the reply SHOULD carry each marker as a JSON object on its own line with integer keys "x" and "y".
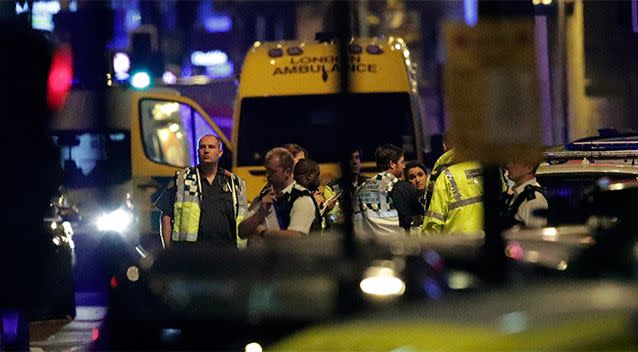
{"x": 381, "y": 281}
{"x": 118, "y": 220}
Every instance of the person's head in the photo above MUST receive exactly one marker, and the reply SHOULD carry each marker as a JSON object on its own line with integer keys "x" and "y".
{"x": 209, "y": 150}
{"x": 389, "y": 158}
{"x": 447, "y": 141}
{"x": 416, "y": 173}
{"x": 298, "y": 152}
{"x": 307, "y": 174}
{"x": 279, "y": 164}
{"x": 520, "y": 172}
{"x": 355, "y": 161}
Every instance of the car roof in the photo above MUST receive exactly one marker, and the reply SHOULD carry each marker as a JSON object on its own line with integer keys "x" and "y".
{"x": 587, "y": 167}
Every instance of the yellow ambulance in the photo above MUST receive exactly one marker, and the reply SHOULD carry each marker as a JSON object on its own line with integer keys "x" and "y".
{"x": 289, "y": 93}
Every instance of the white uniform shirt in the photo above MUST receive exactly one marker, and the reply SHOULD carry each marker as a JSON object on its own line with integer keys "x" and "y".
{"x": 302, "y": 213}
{"x": 525, "y": 212}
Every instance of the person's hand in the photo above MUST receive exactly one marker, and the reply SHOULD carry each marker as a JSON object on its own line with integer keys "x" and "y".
{"x": 319, "y": 198}
{"x": 330, "y": 204}
{"x": 260, "y": 229}
{"x": 266, "y": 202}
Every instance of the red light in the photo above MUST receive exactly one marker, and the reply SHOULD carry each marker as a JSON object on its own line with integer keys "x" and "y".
{"x": 514, "y": 251}
{"x": 95, "y": 334}
{"x": 60, "y": 77}
{"x": 114, "y": 282}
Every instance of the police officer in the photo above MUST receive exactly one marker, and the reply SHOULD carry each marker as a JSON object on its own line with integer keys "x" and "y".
{"x": 456, "y": 205}
{"x": 445, "y": 160}
{"x": 526, "y": 198}
{"x": 306, "y": 174}
{"x": 203, "y": 204}
{"x": 333, "y": 191}
{"x": 284, "y": 209}
{"x": 384, "y": 204}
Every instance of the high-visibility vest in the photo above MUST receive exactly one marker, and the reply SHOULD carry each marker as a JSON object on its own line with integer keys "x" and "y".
{"x": 457, "y": 200}
{"x": 374, "y": 211}
{"x": 444, "y": 160}
{"x": 187, "y": 207}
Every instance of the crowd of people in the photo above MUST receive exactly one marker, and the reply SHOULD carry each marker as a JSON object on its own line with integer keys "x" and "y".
{"x": 206, "y": 204}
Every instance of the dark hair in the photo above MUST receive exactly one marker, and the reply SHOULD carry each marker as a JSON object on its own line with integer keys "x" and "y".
{"x": 385, "y": 154}
{"x": 356, "y": 149}
{"x": 305, "y": 166}
{"x": 411, "y": 165}
{"x": 295, "y": 149}
{"x": 283, "y": 155}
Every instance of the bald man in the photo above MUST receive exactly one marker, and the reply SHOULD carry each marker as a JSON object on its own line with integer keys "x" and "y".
{"x": 202, "y": 205}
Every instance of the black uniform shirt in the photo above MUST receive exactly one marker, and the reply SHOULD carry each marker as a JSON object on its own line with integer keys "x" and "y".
{"x": 217, "y": 219}
{"x": 406, "y": 202}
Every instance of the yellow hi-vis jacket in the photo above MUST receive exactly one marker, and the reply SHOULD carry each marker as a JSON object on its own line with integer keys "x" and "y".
{"x": 444, "y": 160}
{"x": 457, "y": 200}
{"x": 187, "y": 207}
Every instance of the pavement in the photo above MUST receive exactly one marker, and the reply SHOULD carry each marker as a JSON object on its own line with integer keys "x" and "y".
{"x": 70, "y": 335}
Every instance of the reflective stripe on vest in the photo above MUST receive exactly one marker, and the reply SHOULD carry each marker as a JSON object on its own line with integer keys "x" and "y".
{"x": 187, "y": 209}
{"x": 465, "y": 202}
{"x": 434, "y": 215}
{"x": 374, "y": 194}
{"x": 376, "y": 214}
{"x": 455, "y": 189}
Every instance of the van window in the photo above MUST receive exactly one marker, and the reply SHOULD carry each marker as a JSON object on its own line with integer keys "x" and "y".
{"x": 170, "y": 131}
{"x": 564, "y": 193}
{"x": 311, "y": 120}
{"x": 94, "y": 158}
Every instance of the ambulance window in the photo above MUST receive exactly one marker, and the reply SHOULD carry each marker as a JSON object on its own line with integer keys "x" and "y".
{"x": 167, "y": 139}
{"x": 171, "y": 131}
{"x": 313, "y": 121}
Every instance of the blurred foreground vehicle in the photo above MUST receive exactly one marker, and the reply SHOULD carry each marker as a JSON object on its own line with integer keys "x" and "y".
{"x": 570, "y": 288}
{"x": 225, "y": 299}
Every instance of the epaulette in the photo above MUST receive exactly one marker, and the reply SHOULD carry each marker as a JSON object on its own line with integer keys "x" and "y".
{"x": 530, "y": 191}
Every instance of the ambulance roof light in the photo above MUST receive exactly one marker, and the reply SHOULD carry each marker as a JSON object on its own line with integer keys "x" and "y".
{"x": 374, "y": 49}
{"x": 294, "y": 51}
{"x": 355, "y": 49}
{"x": 276, "y": 52}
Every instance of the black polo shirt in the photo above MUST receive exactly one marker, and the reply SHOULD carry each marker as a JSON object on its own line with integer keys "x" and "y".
{"x": 217, "y": 221}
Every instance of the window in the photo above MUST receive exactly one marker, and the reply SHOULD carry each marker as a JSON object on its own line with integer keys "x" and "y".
{"x": 170, "y": 132}
{"x": 312, "y": 121}
{"x": 93, "y": 159}
{"x": 564, "y": 193}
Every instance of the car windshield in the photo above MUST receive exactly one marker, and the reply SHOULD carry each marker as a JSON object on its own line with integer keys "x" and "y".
{"x": 94, "y": 158}
{"x": 565, "y": 192}
{"x": 312, "y": 120}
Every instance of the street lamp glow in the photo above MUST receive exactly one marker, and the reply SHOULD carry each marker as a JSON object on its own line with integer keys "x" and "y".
{"x": 121, "y": 63}
{"x": 140, "y": 80}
